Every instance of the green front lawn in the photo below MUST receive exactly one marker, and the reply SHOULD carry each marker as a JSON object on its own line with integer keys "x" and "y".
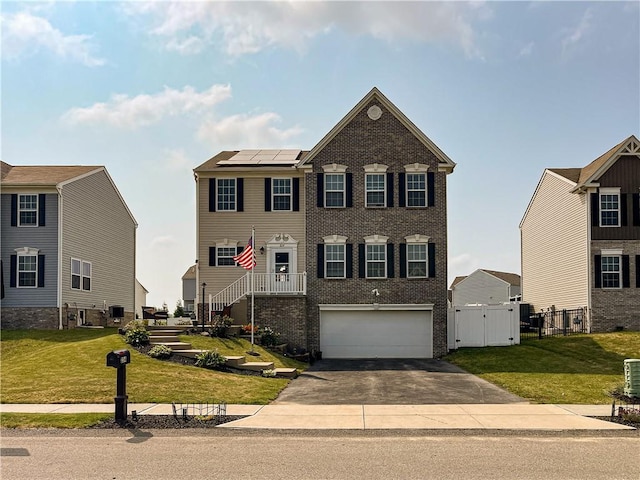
{"x": 69, "y": 366}
{"x": 575, "y": 369}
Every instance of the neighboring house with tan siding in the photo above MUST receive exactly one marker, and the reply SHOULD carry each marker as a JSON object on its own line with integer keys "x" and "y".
{"x": 580, "y": 239}
{"x": 351, "y": 237}
{"x": 68, "y": 248}
{"x": 485, "y": 287}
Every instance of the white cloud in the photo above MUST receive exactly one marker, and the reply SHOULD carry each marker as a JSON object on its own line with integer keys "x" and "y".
{"x": 573, "y": 36}
{"x": 163, "y": 241}
{"x": 526, "y": 50}
{"x": 177, "y": 161}
{"x": 25, "y": 34}
{"x": 246, "y": 131}
{"x": 244, "y": 28}
{"x": 131, "y": 112}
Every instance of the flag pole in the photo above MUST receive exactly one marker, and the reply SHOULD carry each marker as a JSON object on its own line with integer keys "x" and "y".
{"x": 253, "y": 270}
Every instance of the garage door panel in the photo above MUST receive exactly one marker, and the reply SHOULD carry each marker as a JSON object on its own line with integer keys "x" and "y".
{"x": 376, "y": 334}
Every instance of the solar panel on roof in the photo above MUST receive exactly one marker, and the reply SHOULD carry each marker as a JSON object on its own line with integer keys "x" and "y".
{"x": 264, "y": 157}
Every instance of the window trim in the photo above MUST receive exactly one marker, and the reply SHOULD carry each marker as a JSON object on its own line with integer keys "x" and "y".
{"x": 335, "y": 240}
{"x": 424, "y": 190}
{"x": 603, "y": 272}
{"x": 226, "y": 243}
{"x": 343, "y": 191}
{"x": 274, "y": 194}
{"x": 421, "y": 240}
{"x": 24, "y": 253}
{"x": 383, "y": 191}
{"x": 81, "y": 275}
{"x": 377, "y": 240}
{"x": 609, "y": 191}
{"x": 235, "y": 195}
{"x": 36, "y": 210}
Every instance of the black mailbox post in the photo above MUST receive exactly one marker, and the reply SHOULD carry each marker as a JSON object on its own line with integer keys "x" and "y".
{"x": 119, "y": 360}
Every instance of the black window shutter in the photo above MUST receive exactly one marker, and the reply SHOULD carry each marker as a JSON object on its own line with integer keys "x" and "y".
{"x": 267, "y": 194}
{"x": 431, "y": 192}
{"x": 595, "y": 211}
{"x": 296, "y": 194}
{"x": 14, "y": 210}
{"x": 598, "y": 271}
{"x": 320, "y": 247}
{"x": 13, "y": 271}
{"x": 240, "y": 195}
{"x": 349, "y": 190}
{"x": 402, "y": 189}
{"x": 42, "y": 199}
{"x": 239, "y": 250}
{"x": 389, "y": 189}
{"x": 361, "y": 261}
{"x": 637, "y": 271}
{"x": 212, "y": 256}
{"x": 320, "y": 189}
{"x": 40, "y": 271}
{"x": 390, "y": 261}
{"x": 349, "y": 259}
{"x": 212, "y": 194}
{"x": 403, "y": 260}
{"x": 623, "y": 209}
{"x": 636, "y": 209}
{"x": 625, "y": 272}
{"x": 432, "y": 259}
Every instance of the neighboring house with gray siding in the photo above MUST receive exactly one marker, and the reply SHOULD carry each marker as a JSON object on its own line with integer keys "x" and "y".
{"x": 351, "y": 237}
{"x": 189, "y": 290}
{"x": 68, "y": 248}
{"x": 580, "y": 240}
{"x": 485, "y": 287}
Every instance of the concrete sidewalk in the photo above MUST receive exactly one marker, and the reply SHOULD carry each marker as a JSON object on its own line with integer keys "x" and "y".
{"x": 377, "y": 417}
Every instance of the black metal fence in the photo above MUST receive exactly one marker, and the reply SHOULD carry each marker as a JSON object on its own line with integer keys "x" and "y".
{"x": 553, "y": 323}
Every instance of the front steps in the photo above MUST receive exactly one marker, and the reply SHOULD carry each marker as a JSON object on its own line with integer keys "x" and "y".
{"x": 169, "y": 338}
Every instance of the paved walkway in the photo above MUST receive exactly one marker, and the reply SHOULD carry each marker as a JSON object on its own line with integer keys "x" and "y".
{"x": 520, "y": 416}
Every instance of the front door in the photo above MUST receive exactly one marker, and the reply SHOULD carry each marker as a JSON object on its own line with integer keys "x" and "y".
{"x": 281, "y": 270}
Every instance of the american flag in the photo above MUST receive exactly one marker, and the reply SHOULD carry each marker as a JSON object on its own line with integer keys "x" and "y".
{"x": 247, "y": 258}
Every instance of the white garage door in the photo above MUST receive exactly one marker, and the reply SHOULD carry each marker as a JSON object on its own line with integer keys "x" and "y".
{"x": 376, "y": 334}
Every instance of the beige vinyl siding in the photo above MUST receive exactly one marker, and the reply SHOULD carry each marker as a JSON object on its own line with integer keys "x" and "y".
{"x": 236, "y": 226}
{"x": 555, "y": 246}
{"x": 480, "y": 287}
{"x": 97, "y": 227}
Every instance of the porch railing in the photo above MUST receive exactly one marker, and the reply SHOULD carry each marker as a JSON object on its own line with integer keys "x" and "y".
{"x": 264, "y": 284}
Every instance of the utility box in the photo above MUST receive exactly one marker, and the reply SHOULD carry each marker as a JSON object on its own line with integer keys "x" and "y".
{"x": 118, "y": 358}
{"x": 632, "y": 377}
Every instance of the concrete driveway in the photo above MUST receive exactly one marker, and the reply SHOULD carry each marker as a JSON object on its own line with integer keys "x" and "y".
{"x": 390, "y": 382}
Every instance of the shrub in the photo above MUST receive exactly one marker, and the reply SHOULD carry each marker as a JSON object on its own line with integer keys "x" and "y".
{"x": 220, "y": 325}
{"x": 269, "y": 337}
{"x": 160, "y": 351}
{"x": 246, "y": 329}
{"x": 210, "y": 359}
{"x": 136, "y": 333}
{"x": 269, "y": 373}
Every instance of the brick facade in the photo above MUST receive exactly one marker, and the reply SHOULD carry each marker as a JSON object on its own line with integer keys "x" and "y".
{"x": 615, "y": 308}
{"x": 45, "y": 318}
{"x": 361, "y": 142}
{"x": 285, "y": 314}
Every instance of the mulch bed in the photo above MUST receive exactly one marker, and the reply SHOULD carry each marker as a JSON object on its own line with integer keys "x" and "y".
{"x": 167, "y": 421}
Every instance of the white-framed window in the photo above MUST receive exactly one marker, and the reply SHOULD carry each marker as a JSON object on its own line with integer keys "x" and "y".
{"x": 28, "y": 210}
{"x": 417, "y": 260}
{"x": 281, "y": 194}
{"x": 226, "y": 195}
{"x": 611, "y": 271}
{"x": 416, "y": 189}
{"x": 334, "y": 188}
{"x": 375, "y": 191}
{"x": 335, "y": 256}
{"x": 27, "y": 270}
{"x": 81, "y": 274}
{"x": 224, "y": 256}
{"x": 376, "y": 257}
{"x": 609, "y": 207}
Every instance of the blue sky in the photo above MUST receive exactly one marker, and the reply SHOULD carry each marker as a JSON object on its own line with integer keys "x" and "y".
{"x": 151, "y": 90}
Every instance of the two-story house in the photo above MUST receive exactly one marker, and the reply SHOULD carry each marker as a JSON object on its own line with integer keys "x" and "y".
{"x": 68, "y": 248}
{"x": 351, "y": 236}
{"x": 580, "y": 239}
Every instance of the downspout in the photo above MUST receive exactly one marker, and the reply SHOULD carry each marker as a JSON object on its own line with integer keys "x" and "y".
{"x": 59, "y": 286}
{"x": 197, "y": 179}
{"x": 589, "y": 256}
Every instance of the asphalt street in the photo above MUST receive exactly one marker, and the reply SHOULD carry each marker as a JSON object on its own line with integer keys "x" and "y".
{"x": 145, "y": 455}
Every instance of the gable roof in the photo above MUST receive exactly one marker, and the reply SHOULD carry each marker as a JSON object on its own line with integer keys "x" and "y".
{"x": 445, "y": 162}
{"x": 593, "y": 171}
{"x": 512, "y": 279}
{"x": 43, "y": 175}
{"x": 190, "y": 273}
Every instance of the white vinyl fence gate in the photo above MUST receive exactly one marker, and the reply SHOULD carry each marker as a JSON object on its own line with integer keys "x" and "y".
{"x": 483, "y": 326}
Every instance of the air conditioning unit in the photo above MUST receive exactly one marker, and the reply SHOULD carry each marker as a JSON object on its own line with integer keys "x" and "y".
{"x": 632, "y": 377}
